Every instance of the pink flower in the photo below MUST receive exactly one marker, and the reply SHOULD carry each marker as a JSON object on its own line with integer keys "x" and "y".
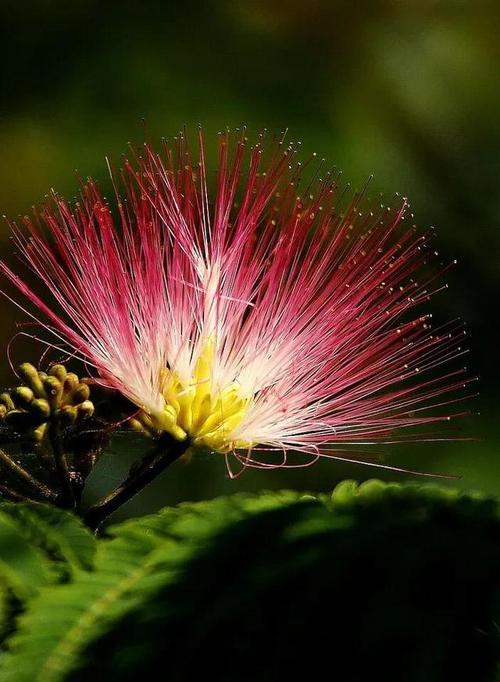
{"x": 256, "y": 320}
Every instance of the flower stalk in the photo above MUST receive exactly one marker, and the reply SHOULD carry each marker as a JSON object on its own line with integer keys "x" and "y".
{"x": 166, "y": 451}
{"x": 68, "y": 498}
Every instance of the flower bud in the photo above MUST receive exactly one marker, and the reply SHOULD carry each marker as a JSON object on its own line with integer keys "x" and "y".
{"x": 32, "y": 378}
{"x": 41, "y": 408}
{"x": 70, "y": 384}
{"x": 85, "y": 409}
{"x": 40, "y": 432}
{"x": 80, "y": 394}
{"x": 6, "y": 400}
{"x": 45, "y": 397}
{"x": 22, "y": 396}
{"x": 54, "y": 389}
{"x": 138, "y": 426}
{"x": 58, "y": 371}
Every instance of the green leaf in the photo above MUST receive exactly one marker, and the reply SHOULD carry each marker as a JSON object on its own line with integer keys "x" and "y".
{"x": 379, "y": 581}
{"x": 60, "y": 534}
{"x": 39, "y": 545}
{"x": 23, "y": 566}
{"x": 5, "y": 605}
{"x": 141, "y": 556}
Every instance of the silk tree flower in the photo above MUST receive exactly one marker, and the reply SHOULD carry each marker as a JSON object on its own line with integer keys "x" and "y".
{"x": 265, "y": 316}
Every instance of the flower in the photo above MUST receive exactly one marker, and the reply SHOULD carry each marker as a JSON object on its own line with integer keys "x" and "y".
{"x": 265, "y": 317}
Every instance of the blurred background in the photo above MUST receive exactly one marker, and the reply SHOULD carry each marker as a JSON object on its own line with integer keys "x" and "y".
{"x": 408, "y": 91}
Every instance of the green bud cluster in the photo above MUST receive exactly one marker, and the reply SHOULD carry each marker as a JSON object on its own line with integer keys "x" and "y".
{"x": 44, "y": 396}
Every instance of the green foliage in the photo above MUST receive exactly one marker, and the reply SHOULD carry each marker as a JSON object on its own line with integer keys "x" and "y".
{"x": 58, "y": 533}
{"x": 131, "y": 567}
{"x": 377, "y": 581}
{"x": 39, "y": 546}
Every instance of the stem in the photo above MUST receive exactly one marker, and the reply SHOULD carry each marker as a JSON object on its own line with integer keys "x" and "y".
{"x": 12, "y": 495}
{"x": 40, "y": 488}
{"x": 166, "y": 452}
{"x": 61, "y": 465}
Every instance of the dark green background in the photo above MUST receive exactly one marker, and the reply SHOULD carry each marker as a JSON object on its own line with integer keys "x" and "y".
{"x": 406, "y": 90}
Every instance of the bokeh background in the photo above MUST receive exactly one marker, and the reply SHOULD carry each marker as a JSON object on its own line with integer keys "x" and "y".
{"x": 408, "y": 91}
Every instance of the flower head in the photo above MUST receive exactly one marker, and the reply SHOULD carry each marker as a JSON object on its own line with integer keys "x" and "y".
{"x": 257, "y": 316}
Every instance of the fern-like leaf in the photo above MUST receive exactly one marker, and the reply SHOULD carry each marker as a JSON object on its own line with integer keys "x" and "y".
{"x": 58, "y": 533}
{"x": 39, "y": 545}
{"x": 378, "y": 581}
{"x": 140, "y": 557}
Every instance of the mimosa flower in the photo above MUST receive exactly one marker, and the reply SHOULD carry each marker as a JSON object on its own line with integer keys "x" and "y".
{"x": 263, "y": 317}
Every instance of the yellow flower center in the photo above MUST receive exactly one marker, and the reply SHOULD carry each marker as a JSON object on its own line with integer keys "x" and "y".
{"x": 198, "y": 410}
